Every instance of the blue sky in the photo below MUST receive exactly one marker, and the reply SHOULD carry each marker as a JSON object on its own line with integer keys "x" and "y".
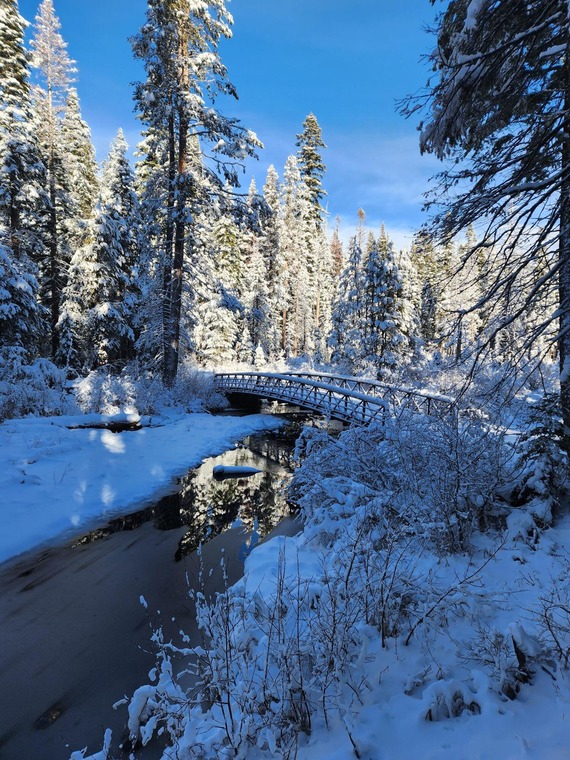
{"x": 346, "y": 62}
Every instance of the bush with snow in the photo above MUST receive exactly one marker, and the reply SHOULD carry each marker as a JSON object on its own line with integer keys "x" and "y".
{"x": 36, "y": 388}
{"x": 132, "y": 390}
{"x": 543, "y": 467}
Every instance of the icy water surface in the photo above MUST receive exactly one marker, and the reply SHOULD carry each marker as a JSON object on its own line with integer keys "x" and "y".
{"x": 74, "y": 636}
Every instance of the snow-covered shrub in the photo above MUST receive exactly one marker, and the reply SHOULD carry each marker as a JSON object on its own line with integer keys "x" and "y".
{"x": 451, "y": 469}
{"x": 494, "y": 650}
{"x": 445, "y": 699}
{"x": 106, "y": 392}
{"x": 37, "y": 388}
{"x": 544, "y": 465}
{"x": 436, "y": 475}
{"x": 277, "y": 660}
{"x": 133, "y": 390}
{"x": 250, "y": 690}
{"x": 509, "y": 656}
{"x": 195, "y": 390}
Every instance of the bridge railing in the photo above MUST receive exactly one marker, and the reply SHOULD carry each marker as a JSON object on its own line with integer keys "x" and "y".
{"x": 421, "y": 400}
{"x": 345, "y": 398}
{"x": 325, "y": 398}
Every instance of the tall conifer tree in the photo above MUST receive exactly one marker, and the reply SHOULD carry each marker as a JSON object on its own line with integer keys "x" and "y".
{"x": 54, "y": 75}
{"x": 311, "y": 165}
{"x": 24, "y": 204}
{"x": 178, "y": 45}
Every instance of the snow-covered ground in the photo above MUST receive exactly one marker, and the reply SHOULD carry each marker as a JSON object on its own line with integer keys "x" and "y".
{"x": 56, "y": 481}
{"x": 437, "y": 698}
{"x": 356, "y": 639}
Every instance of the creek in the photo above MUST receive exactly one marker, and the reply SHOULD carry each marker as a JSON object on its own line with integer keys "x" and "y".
{"x": 74, "y": 635}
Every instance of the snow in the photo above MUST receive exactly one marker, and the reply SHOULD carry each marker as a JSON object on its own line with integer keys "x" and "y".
{"x": 227, "y": 471}
{"x": 451, "y": 708}
{"x": 56, "y": 481}
{"x": 473, "y": 11}
{"x": 473, "y": 661}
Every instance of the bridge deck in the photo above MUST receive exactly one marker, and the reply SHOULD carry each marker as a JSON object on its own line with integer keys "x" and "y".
{"x": 344, "y": 398}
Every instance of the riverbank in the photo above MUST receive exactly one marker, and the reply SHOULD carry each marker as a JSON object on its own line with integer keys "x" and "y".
{"x": 58, "y": 480}
{"x": 75, "y": 637}
{"x": 73, "y": 623}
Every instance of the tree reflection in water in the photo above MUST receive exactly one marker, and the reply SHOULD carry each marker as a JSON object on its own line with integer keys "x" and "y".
{"x": 209, "y": 506}
{"x": 206, "y": 506}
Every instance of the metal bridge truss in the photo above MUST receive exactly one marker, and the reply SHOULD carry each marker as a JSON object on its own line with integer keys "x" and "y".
{"x": 349, "y": 399}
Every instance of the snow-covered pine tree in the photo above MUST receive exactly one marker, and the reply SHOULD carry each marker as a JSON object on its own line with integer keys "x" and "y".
{"x": 229, "y": 270}
{"x": 383, "y": 337}
{"x": 102, "y": 295}
{"x": 498, "y": 106}
{"x": 337, "y": 255}
{"x": 431, "y": 284}
{"x": 118, "y": 242}
{"x": 269, "y": 247}
{"x": 151, "y": 174}
{"x": 325, "y": 293}
{"x": 24, "y": 203}
{"x": 21, "y": 316}
{"x": 255, "y": 288}
{"x": 317, "y": 254}
{"x": 81, "y": 167}
{"x": 54, "y": 70}
{"x": 311, "y": 165}
{"x": 178, "y": 46}
{"x": 345, "y": 339}
{"x": 410, "y": 297}
{"x": 295, "y": 265}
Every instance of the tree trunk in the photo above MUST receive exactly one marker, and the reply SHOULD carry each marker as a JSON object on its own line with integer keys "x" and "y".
{"x": 53, "y": 259}
{"x": 564, "y": 261}
{"x": 171, "y": 368}
{"x": 168, "y": 259}
{"x": 284, "y": 330}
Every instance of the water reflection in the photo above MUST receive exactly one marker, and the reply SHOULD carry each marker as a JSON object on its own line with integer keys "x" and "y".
{"x": 209, "y": 506}
{"x": 206, "y": 506}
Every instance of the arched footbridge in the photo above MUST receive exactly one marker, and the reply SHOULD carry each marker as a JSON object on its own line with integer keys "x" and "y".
{"x": 349, "y": 399}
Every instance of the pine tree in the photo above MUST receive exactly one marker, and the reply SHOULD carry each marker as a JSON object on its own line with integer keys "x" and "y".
{"x": 336, "y": 250}
{"x": 255, "y": 286}
{"x": 179, "y": 48}
{"x": 118, "y": 243}
{"x": 80, "y": 162}
{"x": 151, "y": 180}
{"x": 384, "y": 341}
{"x": 54, "y": 75}
{"x": 498, "y": 106}
{"x": 269, "y": 248}
{"x": 425, "y": 258}
{"x": 295, "y": 272}
{"x": 98, "y": 317}
{"x": 21, "y": 316}
{"x": 311, "y": 165}
{"x": 345, "y": 340}
{"x": 325, "y": 293}
{"x": 24, "y": 204}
